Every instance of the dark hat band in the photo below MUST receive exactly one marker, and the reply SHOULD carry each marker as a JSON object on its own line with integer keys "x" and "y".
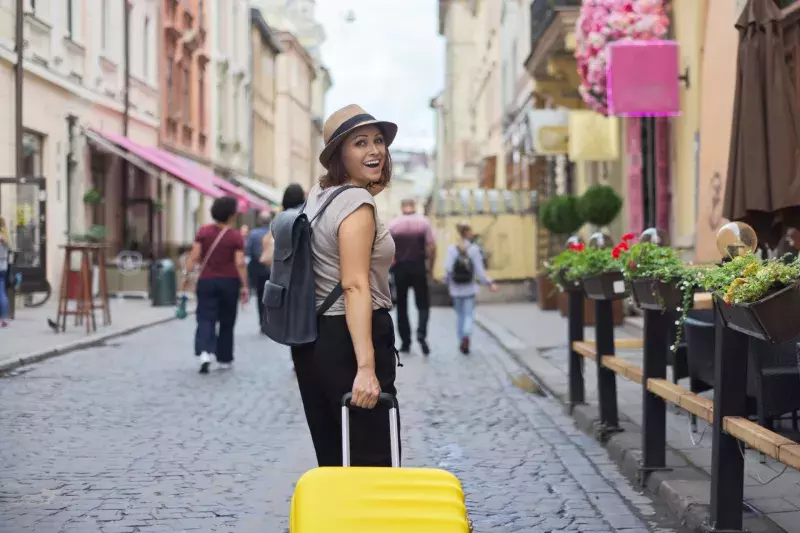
{"x": 350, "y": 124}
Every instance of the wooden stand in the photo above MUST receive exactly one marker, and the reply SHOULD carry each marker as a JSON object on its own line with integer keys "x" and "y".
{"x": 85, "y": 304}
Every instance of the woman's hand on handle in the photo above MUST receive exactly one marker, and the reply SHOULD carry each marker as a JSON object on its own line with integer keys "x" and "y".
{"x": 366, "y": 388}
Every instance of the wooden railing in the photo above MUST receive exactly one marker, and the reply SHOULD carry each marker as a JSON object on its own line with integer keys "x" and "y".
{"x": 726, "y": 412}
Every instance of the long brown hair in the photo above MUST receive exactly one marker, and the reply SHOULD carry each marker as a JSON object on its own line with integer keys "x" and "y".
{"x": 337, "y": 173}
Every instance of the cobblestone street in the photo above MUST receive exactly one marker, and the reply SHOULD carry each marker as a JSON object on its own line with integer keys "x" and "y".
{"x": 128, "y": 437}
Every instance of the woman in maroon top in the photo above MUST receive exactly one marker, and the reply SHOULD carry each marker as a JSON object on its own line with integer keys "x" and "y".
{"x": 222, "y": 282}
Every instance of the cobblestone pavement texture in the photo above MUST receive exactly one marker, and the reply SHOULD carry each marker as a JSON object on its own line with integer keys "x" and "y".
{"x": 127, "y": 437}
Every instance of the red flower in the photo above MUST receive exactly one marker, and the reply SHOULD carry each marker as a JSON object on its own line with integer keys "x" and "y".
{"x": 615, "y": 252}
{"x": 623, "y": 246}
{"x": 577, "y": 247}
{"x": 628, "y": 237}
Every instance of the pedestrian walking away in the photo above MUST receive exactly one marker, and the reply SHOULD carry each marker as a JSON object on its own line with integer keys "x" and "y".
{"x": 5, "y": 279}
{"x": 463, "y": 269}
{"x": 221, "y": 282}
{"x": 257, "y": 271}
{"x": 415, "y": 253}
{"x": 352, "y": 349}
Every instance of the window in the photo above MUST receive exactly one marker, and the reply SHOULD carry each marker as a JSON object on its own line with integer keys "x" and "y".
{"x": 104, "y": 20}
{"x": 146, "y": 51}
{"x": 186, "y": 88}
{"x": 201, "y": 98}
{"x": 170, "y": 82}
{"x": 70, "y": 17}
{"x": 236, "y": 112}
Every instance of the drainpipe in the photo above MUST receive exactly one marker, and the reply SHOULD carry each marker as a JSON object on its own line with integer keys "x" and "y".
{"x": 125, "y": 169}
{"x": 72, "y": 120}
{"x": 126, "y": 24}
{"x": 250, "y": 95}
{"x": 19, "y": 72}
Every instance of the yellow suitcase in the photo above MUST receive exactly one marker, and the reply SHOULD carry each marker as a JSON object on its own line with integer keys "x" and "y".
{"x": 377, "y": 500}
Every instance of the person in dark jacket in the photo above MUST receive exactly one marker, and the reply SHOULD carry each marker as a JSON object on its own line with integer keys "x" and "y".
{"x": 258, "y": 272}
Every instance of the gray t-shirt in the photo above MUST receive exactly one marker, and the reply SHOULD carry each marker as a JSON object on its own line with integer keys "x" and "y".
{"x": 325, "y": 246}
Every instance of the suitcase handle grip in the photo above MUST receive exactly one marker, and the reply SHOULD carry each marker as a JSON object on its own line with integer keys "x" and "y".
{"x": 384, "y": 397}
{"x": 394, "y": 427}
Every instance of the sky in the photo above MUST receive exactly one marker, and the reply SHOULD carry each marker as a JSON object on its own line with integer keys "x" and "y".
{"x": 390, "y": 61}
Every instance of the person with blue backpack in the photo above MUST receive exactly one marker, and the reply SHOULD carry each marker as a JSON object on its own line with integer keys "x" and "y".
{"x": 464, "y": 267}
{"x": 328, "y": 296}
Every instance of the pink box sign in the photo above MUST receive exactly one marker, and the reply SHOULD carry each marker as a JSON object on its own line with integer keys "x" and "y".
{"x": 642, "y": 79}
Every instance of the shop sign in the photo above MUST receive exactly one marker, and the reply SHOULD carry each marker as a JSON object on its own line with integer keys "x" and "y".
{"x": 642, "y": 79}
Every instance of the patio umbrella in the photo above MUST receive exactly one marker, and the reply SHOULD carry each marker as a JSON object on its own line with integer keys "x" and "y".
{"x": 763, "y": 184}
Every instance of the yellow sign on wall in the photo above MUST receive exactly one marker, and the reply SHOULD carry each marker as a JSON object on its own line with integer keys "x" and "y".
{"x": 593, "y": 137}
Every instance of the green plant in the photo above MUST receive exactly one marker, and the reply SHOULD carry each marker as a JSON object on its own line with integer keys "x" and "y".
{"x": 96, "y": 233}
{"x": 92, "y": 197}
{"x": 563, "y": 263}
{"x": 649, "y": 260}
{"x": 599, "y": 205}
{"x": 747, "y": 279}
{"x": 560, "y": 215}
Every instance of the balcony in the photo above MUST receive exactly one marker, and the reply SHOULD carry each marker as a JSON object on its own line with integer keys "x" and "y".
{"x": 552, "y": 28}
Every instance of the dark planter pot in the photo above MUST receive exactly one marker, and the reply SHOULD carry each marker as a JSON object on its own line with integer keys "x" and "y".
{"x": 774, "y": 318}
{"x": 566, "y": 285}
{"x": 656, "y": 295}
{"x": 605, "y": 286}
{"x": 547, "y": 293}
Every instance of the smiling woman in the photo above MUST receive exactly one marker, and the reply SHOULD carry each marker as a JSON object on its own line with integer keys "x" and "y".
{"x": 354, "y": 351}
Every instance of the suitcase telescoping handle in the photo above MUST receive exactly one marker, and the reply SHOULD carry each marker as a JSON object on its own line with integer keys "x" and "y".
{"x": 394, "y": 433}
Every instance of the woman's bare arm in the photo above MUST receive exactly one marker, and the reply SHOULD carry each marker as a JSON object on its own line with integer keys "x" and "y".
{"x": 267, "y": 249}
{"x": 194, "y": 257}
{"x": 356, "y": 235}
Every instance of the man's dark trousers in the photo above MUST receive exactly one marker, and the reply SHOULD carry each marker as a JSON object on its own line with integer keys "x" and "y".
{"x": 412, "y": 274}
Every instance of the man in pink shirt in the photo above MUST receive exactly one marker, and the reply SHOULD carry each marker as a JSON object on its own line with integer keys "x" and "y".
{"x": 415, "y": 252}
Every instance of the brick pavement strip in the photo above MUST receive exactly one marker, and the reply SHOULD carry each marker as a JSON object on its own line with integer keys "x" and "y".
{"x": 129, "y": 438}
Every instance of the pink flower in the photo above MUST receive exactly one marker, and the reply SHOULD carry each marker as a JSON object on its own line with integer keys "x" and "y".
{"x": 605, "y": 21}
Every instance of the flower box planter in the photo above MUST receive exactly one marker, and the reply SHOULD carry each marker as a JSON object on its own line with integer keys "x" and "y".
{"x": 588, "y": 310}
{"x": 605, "y": 286}
{"x": 656, "y": 295}
{"x": 774, "y": 318}
{"x": 567, "y": 285}
{"x": 547, "y": 293}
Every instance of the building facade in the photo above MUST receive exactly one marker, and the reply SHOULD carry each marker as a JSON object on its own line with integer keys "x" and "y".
{"x": 459, "y": 152}
{"x": 230, "y": 87}
{"x": 74, "y": 82}
{"x": 294, "y": 158}
{"x": 185, "y": 73}
{"x": 265, "y": 50}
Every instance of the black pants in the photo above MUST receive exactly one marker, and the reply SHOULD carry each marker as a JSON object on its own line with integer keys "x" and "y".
{"x": 412, "y": 275}
{"x": 217, "y": 303}
{"x": 325, "y": 372}
{"x": 258, "y": 274}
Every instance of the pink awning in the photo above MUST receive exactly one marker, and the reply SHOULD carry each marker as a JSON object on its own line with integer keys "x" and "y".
{"x": 246, "y": 200}
{"x": 166, "y": 162}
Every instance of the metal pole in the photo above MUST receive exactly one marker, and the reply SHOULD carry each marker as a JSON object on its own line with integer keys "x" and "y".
{"x": 654, "y": 416}
{"x": 606, "y": 378}
{"x": 575, "y": 324}
{"x": 730, "y": 399}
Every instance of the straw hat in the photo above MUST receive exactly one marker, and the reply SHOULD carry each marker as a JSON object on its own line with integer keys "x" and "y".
{"x": 345, "y": 120}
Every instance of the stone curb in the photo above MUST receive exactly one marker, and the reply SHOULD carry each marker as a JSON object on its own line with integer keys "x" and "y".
{"x": 685, "y": 489}
{"x": 43, "y": 355}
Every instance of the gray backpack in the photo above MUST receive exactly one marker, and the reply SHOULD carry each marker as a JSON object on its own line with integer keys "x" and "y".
{"x": 290, "y": 304}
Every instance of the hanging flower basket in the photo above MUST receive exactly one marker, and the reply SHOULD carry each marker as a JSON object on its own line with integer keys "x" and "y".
{"x": 565, "y": 284}
{"x": 758, "y": 297}
{"x": 774, "y": 318}
{"x": 656, "y": 295}
{"x": 605, "y": 286}
{"x": 605, "y": 21}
